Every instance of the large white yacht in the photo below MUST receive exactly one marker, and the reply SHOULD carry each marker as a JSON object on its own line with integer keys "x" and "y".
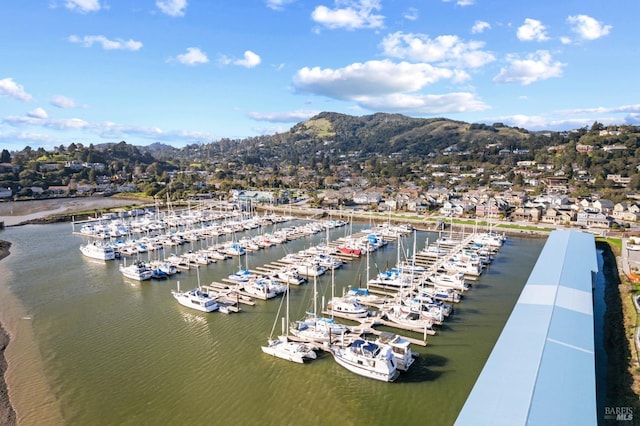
{"x": 136, "y": 271}
{"x": 368, "y": 359}
{"x": 98, "y": 250}
{"x": 196, "y": 299}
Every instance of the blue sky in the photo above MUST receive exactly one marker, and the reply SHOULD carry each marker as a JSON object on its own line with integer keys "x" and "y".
{"x": 196, "y": 71}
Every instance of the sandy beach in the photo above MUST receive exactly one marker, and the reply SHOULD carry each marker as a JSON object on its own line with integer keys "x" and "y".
{"x": 17, "y": 213}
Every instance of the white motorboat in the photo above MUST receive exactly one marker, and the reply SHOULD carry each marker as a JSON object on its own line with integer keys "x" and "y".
{"x": 400, "y": 348}
{"x": 347, "y": 306}
{"x": 136, "y": 271}
{"x": 445, "y": 294}
{"x": 259, "y": 287}
{"x": 310, "y": 268}
{"x": 97, "y": 250}
{"x": 368, "y": 359}
{"x": 396, "y": 314}
{"x": 165, "y": 267}
{"x": 196, "y": 299}
{"x": 454, "y": 280}
{"x": 290, "y": 276}
{"x": 291, "y": 351}
{"x": 426, "y": 310}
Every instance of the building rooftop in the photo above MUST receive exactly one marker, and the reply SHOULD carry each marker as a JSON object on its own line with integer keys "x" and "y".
{"x": 542, "y": 368}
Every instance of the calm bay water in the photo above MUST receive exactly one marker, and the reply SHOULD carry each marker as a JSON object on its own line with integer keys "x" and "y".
{"x": 115, "y": 351}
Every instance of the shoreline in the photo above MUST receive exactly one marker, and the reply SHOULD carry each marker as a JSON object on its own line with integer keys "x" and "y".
{"x": 7, "y": 413}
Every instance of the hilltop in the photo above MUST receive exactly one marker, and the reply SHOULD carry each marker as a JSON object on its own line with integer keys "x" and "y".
{"x": 332, "y": 150}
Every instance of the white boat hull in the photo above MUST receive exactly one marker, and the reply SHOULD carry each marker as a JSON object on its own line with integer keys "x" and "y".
{"x": 379, "y": 367}
{"x": 290, "y": 351}
{"x": 195, "y": 299}
{"x": 96, "y": 251}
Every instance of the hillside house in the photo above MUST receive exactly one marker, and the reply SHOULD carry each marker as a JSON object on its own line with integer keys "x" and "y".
{"x": 557, "y": 217}
{"x": 530, "y": 214}
{"x": 491, "y": 208}
{"x": 604, "y": 206}
{"x": 593, "y": 220}
{"x": 452, "y": 208}
{"x": 367, "y": 197}
{"x": 626, "y": 212}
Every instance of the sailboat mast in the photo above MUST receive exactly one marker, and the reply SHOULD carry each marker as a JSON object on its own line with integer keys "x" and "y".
{"x": 286, "y": 327}
{"x": 414, "y": 249}
{"x": 367, "y": 265}
{"x": 315, "y": 296}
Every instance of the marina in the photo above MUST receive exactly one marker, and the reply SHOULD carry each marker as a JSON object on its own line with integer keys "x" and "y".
{"x": 203, "y": 340}
{"x": 403, "y": 295}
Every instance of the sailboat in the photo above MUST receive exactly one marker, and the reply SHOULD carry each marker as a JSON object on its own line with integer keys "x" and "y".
{"x": 347, "y": 305}
{"x": 284, "y": 348}
{"x": 318, "y": 329}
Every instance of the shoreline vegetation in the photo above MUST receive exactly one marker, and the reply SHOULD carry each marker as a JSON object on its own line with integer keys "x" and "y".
{"x": 621, "y": 319}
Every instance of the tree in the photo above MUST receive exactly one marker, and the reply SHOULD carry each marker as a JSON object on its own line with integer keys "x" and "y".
{"x": 5, "y": 156}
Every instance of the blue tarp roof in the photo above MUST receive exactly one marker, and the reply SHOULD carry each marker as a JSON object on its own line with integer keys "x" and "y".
{"x": 542, "y": 368}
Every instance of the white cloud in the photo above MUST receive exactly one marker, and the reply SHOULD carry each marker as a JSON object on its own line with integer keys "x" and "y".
{"x": 278, "y": 4}
{"x": 283, "y": 117}
{"x": 536, "y": 66}
{"x": 82, "y": 6}
{"x": 9, "y": 88}
{"x": 587, "y": 27}
{"x": 480, "y": 26}
{"x": 424, "y": 103}
{"x": 355, "y": 15}
{"x": 573, "y": 118}
{"x": 250, "y": 60}
{"x": 172, "y": 7}
{"x": 462, "y": 3}
{"x": 604, "y": 110}
{"x": 29, "y": 138}
{"x": 58, "y": 124}
{"x": 117, "y": 44}
{"x": 541, "y": 122}
{"x": 411, "y": 14}
{"x": 372, "y": 78}
{"x": 532, "y": 30}
{"x": 522, "y": 120}
{"x": 63, "y": 102}
{"x": 193, "y": 56}
{"x": 105, "y": 130}
{"x": 447, "y": 50}
{"x": 38, "y": 113}
{"x": 565, "y": 40}
{"x": 387, "y": 86}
